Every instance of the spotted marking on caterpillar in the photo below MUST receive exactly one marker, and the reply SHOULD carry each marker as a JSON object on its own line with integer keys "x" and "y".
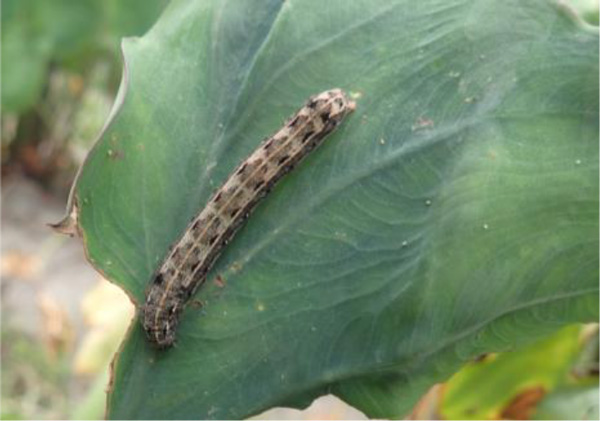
{"x": 186, "y": 266}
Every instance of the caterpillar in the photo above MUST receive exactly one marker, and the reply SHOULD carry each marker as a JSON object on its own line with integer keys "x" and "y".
{"x": 191, "y": 257}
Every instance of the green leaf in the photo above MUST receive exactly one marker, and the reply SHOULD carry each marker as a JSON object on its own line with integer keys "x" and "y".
{"x": 36, "y": 33}
{"x": 481, "y": 390}
{"x": 131, "y": 17}
{"x": 455, "y": 211}
{"x": 24, "y": 58}
{"x": 588, "y": 9}
{"x": 570, "y": 403}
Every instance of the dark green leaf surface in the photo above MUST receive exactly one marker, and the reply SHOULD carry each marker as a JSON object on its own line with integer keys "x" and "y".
{"x": 454, "y": 212}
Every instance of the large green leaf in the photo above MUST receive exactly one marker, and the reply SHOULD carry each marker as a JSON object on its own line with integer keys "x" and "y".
{"x": 455, "y": 212}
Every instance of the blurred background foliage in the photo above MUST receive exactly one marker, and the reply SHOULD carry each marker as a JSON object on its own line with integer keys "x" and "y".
{"x": 524, "y": 383}
{"x": 61, "y": 68}
{"x": 552, "y": 378}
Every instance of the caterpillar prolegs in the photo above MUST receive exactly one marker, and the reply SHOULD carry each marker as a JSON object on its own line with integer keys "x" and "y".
{"x": 186, "y": 266}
